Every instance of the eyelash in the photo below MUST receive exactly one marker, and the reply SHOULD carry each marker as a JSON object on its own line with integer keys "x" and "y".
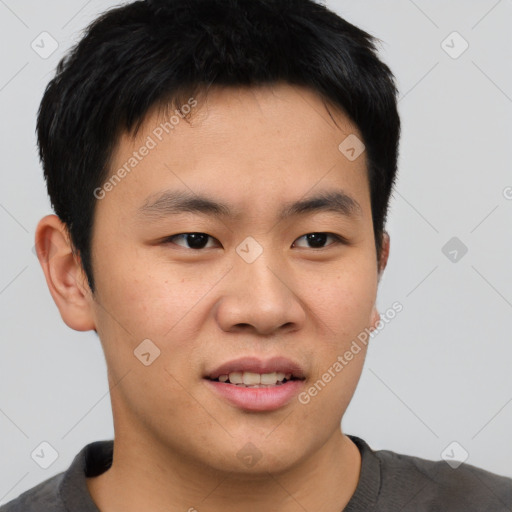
{"x": 338, "y": 239}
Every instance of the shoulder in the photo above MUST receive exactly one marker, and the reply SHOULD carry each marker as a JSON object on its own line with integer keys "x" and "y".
{"x": 67, "y": 490}
{"x": 44, "y": 497}
{"x": 435, "y": 485}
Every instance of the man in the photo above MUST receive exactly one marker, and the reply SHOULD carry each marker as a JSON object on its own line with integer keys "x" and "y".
{"x": 220, "y": 172}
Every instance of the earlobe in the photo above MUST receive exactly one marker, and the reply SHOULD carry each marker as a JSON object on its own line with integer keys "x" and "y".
{"x": 64, "y": 274}
{"x": 375, "y": 318}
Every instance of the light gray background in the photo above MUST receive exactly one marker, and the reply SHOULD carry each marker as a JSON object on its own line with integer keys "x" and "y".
{"x": 440, "y": 372}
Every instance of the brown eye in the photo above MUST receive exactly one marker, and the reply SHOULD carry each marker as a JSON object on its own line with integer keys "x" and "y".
{"x": 194, "y": 241}
{"x": 318, "y": 240}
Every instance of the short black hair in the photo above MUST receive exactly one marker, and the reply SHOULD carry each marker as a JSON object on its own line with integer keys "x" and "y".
{"x": 149, "y": 54}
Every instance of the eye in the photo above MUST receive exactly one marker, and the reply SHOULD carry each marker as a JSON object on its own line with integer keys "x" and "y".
{"x": 317, "y": 240}
{"x": 194, "y": 240}
{"x": 197, "y": 241}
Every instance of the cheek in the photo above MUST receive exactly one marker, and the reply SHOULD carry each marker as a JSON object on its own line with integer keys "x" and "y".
{"x": 344, "y": 298}
{"x": 343, "y": 307}
{"x": 148, "y": 297}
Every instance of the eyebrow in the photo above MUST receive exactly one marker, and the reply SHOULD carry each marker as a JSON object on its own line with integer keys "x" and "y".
{"x": 174, "y": 202}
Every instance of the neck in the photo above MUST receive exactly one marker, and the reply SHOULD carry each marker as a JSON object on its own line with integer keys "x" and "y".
{"x": 140, "y": 478}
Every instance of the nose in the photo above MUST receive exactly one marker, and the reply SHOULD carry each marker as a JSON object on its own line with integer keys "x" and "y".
{"x": 260, "y": 297}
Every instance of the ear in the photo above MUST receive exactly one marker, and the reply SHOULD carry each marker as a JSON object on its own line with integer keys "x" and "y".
{"x": 384, "y": 253}
{"x": 64, "y": 275}
{"x": 383, "y": 260}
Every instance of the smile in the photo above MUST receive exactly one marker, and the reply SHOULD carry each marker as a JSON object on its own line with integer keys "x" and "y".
{"x": 253, "y": 384}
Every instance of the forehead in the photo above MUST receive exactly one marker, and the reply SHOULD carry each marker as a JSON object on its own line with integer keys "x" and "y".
{"x": 248, "y": 146}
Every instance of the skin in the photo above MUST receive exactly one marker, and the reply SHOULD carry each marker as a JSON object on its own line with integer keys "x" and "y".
{"x": 176, "y": 442}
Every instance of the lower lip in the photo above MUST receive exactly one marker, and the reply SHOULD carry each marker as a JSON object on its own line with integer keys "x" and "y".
{"x": 257, "y": 399}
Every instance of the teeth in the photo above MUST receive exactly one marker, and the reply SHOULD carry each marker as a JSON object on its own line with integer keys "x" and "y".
{"x": 269, "y": 378}
{"x": 252, "y": 379}
{"x": 254, "y": 386}
{"x": 236, "y": 378}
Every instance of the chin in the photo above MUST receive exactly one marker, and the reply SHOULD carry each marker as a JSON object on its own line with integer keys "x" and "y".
{"x": 250, "y": 459}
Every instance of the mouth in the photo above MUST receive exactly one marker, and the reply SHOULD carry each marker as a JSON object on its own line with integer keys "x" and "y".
{"x": 255, "y": 380}
{"x": 256, "y": 385}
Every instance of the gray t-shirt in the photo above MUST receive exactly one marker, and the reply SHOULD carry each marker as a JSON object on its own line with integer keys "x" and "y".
{"x": 389, "y": 482}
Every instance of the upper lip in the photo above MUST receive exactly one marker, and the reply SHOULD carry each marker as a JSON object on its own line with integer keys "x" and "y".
{"x": 256, "y": 365}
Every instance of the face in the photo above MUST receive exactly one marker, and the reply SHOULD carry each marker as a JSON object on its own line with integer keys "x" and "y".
{"x": 254, "y": 286}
